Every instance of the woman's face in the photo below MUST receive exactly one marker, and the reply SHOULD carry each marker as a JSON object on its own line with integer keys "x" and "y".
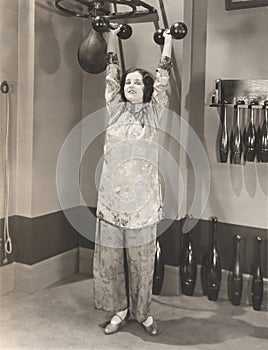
{"x": 134, "y": 87}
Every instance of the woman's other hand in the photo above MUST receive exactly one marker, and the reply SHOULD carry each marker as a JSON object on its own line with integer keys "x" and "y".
{"x": 167, "y": 35}
{"x": 114, "y": 28}
{"x": 111, "y": 37}
{"x": 167, "y": 44}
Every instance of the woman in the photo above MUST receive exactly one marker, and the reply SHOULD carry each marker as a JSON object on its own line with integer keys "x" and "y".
{"x": 129, "y": 199}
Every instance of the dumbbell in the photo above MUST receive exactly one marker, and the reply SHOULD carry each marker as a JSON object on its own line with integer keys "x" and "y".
{"x": 178, "y": 31}
{"x": 101, "y": 25}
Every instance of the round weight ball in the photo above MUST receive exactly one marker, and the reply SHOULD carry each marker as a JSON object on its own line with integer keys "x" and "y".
{"x": 178, "y": 30}
{"x": 125, "y": 31}
{"x": 100, "y": 24}
{"x": 158, "y": 37}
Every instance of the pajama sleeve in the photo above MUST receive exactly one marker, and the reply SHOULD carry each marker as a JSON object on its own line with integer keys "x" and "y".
{"x": 113, "y": 75}
{"x": 161, "y": 83}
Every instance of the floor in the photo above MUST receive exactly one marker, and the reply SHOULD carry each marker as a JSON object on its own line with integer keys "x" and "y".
{"x": 62, "y": 317}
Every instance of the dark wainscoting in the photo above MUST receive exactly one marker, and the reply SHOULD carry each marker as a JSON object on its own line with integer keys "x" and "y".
{"x": 39, "y": 238}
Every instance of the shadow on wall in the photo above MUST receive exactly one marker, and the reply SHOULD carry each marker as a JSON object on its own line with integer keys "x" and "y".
{"x": 262, "y": 172}
{"x": 48, "y": 51}
{"x": 49, "y": 48}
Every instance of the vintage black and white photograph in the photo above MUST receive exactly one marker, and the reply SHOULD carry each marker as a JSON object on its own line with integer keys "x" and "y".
{"x": 133, "y": 174}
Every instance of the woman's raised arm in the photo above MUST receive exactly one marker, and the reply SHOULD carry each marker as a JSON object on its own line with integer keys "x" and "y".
{"x": 113, "y": 71}
{"x": 161, "y": 83}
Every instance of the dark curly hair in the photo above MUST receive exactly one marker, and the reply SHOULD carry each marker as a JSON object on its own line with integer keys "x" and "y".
{"x": 148, "y": 82}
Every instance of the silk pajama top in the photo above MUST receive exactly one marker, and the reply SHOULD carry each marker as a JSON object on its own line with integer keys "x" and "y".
{"x": 129, "y": 191}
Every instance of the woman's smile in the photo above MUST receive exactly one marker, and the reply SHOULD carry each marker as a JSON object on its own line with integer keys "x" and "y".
{"x": 131, "y": 91}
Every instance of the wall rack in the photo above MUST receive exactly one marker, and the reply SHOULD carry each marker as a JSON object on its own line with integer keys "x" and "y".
{"x": 230, "y": 91}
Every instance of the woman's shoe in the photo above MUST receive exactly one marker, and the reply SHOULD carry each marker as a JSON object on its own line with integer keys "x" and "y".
{"x": 115, "y": 327}
{"x": 152, "y": 329}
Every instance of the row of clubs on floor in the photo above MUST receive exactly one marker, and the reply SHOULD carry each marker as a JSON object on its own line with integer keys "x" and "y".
{"x": 211, "y": 270}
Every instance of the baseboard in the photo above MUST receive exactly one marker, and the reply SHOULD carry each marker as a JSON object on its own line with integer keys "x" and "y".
{"x": 32, "y": 278}
{"x": 7, "y": 278}
{"x": 86, "y": 261}
{"x": 172, "y": 286}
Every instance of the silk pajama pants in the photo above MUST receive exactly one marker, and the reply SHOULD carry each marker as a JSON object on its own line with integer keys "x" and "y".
{"x": 123, "y": 268}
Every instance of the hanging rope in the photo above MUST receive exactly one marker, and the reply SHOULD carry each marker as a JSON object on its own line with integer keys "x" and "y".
{"x": 7, "y": 239}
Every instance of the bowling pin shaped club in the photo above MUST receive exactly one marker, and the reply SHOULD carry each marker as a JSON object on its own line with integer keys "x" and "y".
{"x": 236, "y": 143}
{"x": 237, "y": 277}
{"x": 224, "y": 139}
{"x": 263, "y": 135}
{"x": 159, "y": 268}
{"x": 257, "y": 280}
{"x": 188, "y": 266}
{"x": 250, "y": 139}
{"x": 213, "y": 268}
